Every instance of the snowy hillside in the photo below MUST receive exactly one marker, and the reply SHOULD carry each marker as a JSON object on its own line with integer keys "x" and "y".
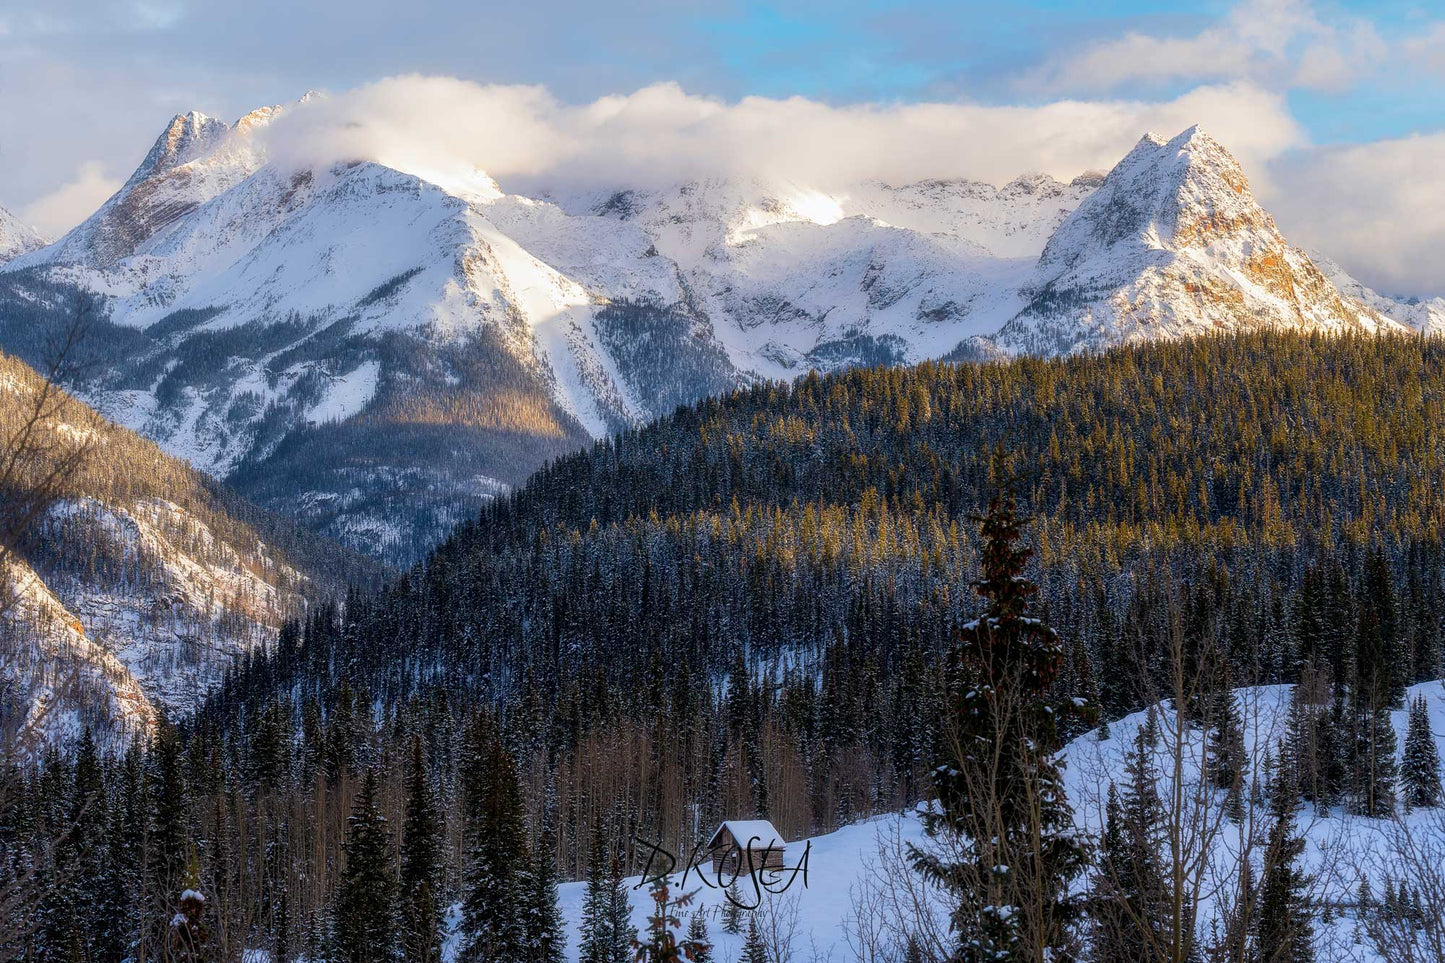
{"x": 832, "y": 915}
{"x": 1427, "y": 315}
{"x": 137, "y": 587}
{"x": 380, "y": 349}
{"x": 16, "y": 237}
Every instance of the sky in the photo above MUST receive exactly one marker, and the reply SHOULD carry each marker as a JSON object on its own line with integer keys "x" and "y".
{"x": 1336, "y": 108}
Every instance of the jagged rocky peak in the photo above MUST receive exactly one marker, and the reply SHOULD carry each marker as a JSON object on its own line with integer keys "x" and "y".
{"x": 1185, "y": 192}
{"x": 258, "y": 118}
{"x": 16, "y": 237}
{"x": 185, "y": 138}
{"x": 1172, "y": 244}
{"x": 194, "y": 159}
{"x": 1035, "y": 184}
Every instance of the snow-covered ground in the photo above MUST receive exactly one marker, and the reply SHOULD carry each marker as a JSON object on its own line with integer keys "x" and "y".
{"x": 841, "y": 906}
{"x": 836, "y": 864}
{"x": 1340, "y": 847}
{"x": 827, "y": 921}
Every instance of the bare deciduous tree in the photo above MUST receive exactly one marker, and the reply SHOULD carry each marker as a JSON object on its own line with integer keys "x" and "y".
{"x": 1413, "y": 853}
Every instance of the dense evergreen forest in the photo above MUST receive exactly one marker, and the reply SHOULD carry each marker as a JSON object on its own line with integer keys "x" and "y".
{"x": 748, "y": 607}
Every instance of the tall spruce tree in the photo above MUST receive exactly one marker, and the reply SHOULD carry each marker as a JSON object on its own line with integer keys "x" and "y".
{"x": 494, "y": 923}
{"x": 1226, "y": 740}
{"x": 168, "y": 814}
{"x": 421, "y": 864}
{"x": 732, "y": 910}
{"x": 754, "y": 949}
{"x": 1107, "y": 900}
{"x": 1004, "y": 809}
{"x": 1381, "y": 665}
{"x": 1131, "y": 894}
{"x": 619, "y": 916}
{"x": 1421, "y": 769}
{"x": 697, "y": 936}
{"x": 546, "y": 932}
{"x": 365, "y": 914}
{"x": 1375, "y": 766}
{"x": 597, "y": 920}
{"x": 1284, "y": 931}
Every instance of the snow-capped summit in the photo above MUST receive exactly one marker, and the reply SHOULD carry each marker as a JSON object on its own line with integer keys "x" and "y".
{"x": 185, "y": 138}
{"x": 193, "y": 160}
{"x": 1173, "y": 243}
{"x": 16, "y": 237}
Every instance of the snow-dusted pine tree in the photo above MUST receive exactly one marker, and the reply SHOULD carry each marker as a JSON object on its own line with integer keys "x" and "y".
{"x": 597, "y": 930}
{"x": 622, "y": 934}
{"x": 1226, "y": 740}
{"x": 697, "y": 936}
{"x": 732, "y": 910}
{"x": 421, "y": 864}
{"x": 546, "y": 932}
{"x": 493, "y": 906}
{"x": 754, "y": 949}
{"x": 1284, "y": 932}
{"x": 1005, "y": 844}
{"x": 366, "y": 899}
{"x": 1421, "y": 769}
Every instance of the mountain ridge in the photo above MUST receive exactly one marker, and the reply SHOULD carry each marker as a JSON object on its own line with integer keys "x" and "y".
{"x": 256, "y": 304}
{"x": 1173, "y": 243}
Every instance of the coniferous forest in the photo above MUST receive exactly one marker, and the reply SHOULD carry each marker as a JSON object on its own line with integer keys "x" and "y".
{"x": 797, "y": 602}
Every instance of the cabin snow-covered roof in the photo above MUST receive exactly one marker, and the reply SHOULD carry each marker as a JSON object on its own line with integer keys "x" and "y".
{"x": 757, "y": 834}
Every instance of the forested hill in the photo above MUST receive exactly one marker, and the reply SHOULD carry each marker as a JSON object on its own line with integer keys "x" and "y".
{"x": 133, "y": 579}
{"x": 1255, "y": 439}
{"x": 750, "y": 608}
{"x": 813, "y": 546}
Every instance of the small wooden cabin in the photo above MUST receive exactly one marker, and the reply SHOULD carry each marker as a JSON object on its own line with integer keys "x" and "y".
{"x": 741, "y": 846}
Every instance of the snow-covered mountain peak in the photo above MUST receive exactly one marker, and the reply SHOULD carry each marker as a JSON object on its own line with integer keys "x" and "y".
{"x": 195, "y": 159}
{"x": 16, "y": 237}
{"x": 1187, "y": 191}
{"x": 1172, "y": 243}
{"x": 187, "y": 137}
{"x": 259, "y": 117}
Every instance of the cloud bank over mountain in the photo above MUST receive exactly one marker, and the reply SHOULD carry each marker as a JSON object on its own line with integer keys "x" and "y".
{"x": 527, "y": 138}
{"x": 1378, "y": 208}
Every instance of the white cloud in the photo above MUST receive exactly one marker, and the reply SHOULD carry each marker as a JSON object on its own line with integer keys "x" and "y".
{"x": 1378, "y": 209}
{"x": 527, "y": 139}
{"x": 68, "y": 205}
{"x": 1279, "y": 43}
